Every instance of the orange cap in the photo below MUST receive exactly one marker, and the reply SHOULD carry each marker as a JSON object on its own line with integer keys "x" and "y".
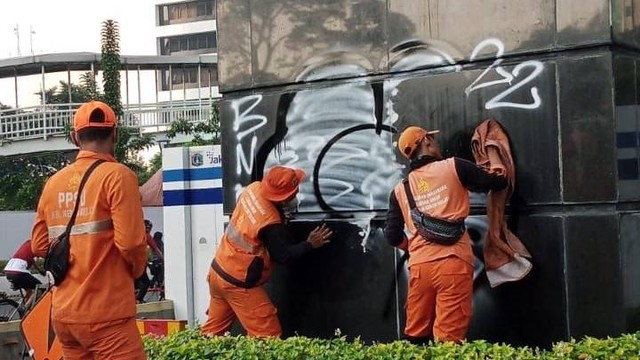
{"x": 281, "y": 183}
{"x": 410, "y": 139}
{"x": 94, "y": 114}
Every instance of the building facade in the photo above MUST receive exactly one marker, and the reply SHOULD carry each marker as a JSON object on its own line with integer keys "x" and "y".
{"x": 186, "y": 28}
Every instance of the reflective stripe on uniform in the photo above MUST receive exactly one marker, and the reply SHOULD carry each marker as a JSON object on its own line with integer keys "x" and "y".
{"x": 91, "y": 227}
{"x": 238, "y": 240}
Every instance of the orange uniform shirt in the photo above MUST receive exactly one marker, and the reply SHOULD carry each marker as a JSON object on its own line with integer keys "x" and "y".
{"x": 437, "y": 192}
{"x": 108, "y": 247}
{"x": 241, "y": 253}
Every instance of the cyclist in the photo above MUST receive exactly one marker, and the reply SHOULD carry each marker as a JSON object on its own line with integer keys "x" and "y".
{"x": 157, "y": 263}
{"x": 142, "y": 283}
{"x": 17, "y": 271}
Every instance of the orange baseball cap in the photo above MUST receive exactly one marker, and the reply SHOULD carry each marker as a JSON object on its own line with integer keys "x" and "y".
{"x": 94, "y": 114}
{"x": 410, "y": 139}
{"x": 281, "y": 183}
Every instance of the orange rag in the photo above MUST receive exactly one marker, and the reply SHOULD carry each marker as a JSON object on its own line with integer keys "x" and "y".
{"x": 504, "y": 254}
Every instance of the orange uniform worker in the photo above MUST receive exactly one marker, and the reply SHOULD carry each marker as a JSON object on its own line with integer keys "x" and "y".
{"x": 256, "y": 234}
{"x": 440, "y": 275}
{"x": 94, "y": 308}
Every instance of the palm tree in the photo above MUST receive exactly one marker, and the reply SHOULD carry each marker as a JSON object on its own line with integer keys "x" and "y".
{"x": 59, "y": 94}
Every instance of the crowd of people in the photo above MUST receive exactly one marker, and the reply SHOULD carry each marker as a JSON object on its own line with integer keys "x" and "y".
{"x": 109, "y": 244}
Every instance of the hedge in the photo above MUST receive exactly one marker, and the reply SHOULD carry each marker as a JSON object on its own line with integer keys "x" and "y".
{"x": 191, "y": 345}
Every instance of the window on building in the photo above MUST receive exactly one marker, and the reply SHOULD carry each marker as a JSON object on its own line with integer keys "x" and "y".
{"x": 184, "y": 12}
{"x": 187, "y": 78}
{"x": 191, "y": 44}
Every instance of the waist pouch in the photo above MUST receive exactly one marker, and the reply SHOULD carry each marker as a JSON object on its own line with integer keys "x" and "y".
{"x": 439, "y": 231}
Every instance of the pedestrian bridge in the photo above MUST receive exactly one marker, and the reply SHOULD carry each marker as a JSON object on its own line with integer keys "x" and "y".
{"x": 155, "y": 91}
{"x": 44, "y": 128}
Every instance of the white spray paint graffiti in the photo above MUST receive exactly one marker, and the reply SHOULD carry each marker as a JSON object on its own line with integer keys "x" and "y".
{"x": 425, "y": 56}
{"x": 243, "y": 118}
{"x": 357, "y": 170}
{"x": 356, "y": 173}
{"x": 507, "y": 78}
{"x": 364, "y": 223}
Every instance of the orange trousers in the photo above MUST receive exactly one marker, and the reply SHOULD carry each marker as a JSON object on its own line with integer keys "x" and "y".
{"x": 439, "y": 299}
{"x": 116, "y": 340}
{"x": 252, "y": 307}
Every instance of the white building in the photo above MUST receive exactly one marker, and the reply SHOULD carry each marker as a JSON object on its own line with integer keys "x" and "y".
{"x": 186, "y": 28}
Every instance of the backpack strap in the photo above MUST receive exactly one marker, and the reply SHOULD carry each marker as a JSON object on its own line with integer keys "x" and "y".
{"x": 408, "y": 193}
{"x": 72, "y": 220}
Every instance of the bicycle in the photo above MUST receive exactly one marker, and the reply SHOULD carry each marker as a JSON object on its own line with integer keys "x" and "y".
{"x": 10, "y": 310}
{"x": 155, "y": 290}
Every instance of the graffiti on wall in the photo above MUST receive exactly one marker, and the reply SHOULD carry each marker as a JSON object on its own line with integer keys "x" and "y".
{"x": 342, "y": 136}
{"x": 518, "y": 79}
{"x": 246, "y": 123}
{"x": 335, "y": 131}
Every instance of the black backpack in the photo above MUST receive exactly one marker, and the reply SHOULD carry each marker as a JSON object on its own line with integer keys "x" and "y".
{"x": 56, "y": 263}
{"x": 432, "y": 229}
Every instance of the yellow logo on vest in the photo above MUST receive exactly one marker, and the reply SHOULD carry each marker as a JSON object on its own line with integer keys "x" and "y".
{"x": 423, "y": 186}
{"x": 74, "y": 182}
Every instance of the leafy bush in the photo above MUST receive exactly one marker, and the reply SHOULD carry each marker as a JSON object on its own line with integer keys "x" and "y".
{"x": 191, "y": 345}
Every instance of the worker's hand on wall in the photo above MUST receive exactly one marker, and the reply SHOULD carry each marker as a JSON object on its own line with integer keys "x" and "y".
{"x": 319, "y": 236}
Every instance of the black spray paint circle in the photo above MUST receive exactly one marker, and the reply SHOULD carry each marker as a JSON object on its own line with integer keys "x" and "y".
{"x": 316, "y": 169}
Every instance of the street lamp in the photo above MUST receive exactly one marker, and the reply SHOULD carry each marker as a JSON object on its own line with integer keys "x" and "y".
{"x": 16, "y": 30}
{"x": 31, "y": 33}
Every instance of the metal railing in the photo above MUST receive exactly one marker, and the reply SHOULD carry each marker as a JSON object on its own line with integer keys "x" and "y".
{"x": 47, "y": 120}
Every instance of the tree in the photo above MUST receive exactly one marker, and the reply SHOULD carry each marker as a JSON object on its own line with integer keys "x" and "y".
{"x": 59, "y": 94}
{"x": 204, "y": 132}
{"x": 90, "y": 85}
{"x": 22, "y": 179}
{"x": 110, "y": 65}
{"x": 154, "y": 165}
{"x": 7, "y": 110}
{"x": 130, "y": 140}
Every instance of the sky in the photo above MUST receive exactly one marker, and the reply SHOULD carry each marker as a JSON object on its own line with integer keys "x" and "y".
{"x": 74, "y": 25}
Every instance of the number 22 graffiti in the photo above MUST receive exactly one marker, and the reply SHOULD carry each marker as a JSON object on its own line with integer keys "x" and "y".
{"x": 499, "y": 101}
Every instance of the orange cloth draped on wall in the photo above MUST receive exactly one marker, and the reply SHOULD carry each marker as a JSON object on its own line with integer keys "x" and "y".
{"x": 504, "y": 254}
{"x": 151, "y": 191}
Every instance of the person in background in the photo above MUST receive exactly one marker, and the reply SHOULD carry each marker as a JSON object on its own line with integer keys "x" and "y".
{"x": 142, "y": 283}
{"x": 17, "y": 271}
{"x": 94, "y": 308}
{"x": 157, "y": 262}
{"x": 440, "y": 274}
{"x": 157, "y": 237}
{"x": 257, "y": 234}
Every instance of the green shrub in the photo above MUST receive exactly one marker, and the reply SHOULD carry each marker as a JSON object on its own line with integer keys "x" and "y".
{"x": 191, "y": 345}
